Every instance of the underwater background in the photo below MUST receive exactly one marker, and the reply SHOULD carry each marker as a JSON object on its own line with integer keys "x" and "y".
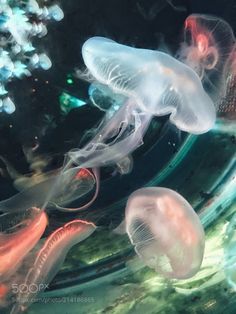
{"x": 54, "y": 112}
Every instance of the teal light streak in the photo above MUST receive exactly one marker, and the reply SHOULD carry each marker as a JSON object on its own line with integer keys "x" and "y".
{"x": 68, "y": 102}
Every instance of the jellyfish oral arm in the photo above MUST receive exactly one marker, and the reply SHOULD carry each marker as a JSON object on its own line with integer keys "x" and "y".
{"x": 126, "y": 129}
{"x": 50, "y": 258}
{"x": 14, "y": 247}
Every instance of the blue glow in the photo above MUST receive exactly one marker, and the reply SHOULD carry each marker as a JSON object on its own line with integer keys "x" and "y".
{"x": 68, "y": 102}
{"x": 18, "y": 56}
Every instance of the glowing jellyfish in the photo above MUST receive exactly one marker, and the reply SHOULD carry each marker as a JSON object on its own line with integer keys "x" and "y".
{"x": 15, "y": 245}
{"x": 57, "y": 190}
{"x": 157, "y": 83}
{"x": 208, "y": 43}
{"x": 49, "y": 260}
{"x": 165, "y": 231}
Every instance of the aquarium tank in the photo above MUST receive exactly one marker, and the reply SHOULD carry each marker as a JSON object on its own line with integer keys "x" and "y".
{"x": 117, "y": 156}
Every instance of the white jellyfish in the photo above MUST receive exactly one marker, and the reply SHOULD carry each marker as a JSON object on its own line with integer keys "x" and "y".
{"x": 150, "y": 83}
{"x": 165, "y": 231}
{"x": 156, "y": 82}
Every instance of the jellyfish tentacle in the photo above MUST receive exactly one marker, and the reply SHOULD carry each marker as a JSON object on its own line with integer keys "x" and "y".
{"x": 14, "y": 246}
{"x": 50, "y": 258}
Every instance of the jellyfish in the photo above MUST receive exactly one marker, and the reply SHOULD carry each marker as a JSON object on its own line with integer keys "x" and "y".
{"x": 151, "y": 83}
{"x": 208, "y": 44}
{"x": 7, "y": 105}
{"x": 56, "y": 191}
{"x": 49, "y": 259}
{"x": 157, "y": 83}
{"x": 15, "y": 245}
{"x": 165, "y": 231}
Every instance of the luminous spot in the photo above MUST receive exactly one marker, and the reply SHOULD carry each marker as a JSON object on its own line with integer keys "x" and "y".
{"x": 69, "y": 81}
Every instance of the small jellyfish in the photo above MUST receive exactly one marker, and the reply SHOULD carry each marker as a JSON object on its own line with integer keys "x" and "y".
{"x": 65, "y": 190}
{"x": 7, "y": 105}
{"x": 55, "y": 12}
{"x": 15, "y": 245}
{"x": 208, "y": 43}
{"x": 57, "y": 190}
{"x": 155, "y": 82}
{"x": 41, "y": 60}
{"x": 165, "y": 231}
{"x": 49, "y": 259}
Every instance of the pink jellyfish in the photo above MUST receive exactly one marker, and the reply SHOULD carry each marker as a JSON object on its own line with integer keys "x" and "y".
{"x": 165, "y": 231}
{"x": 43, "y": 267}
{"x": 15, "y": 246}
{"x": 208, "y": 43}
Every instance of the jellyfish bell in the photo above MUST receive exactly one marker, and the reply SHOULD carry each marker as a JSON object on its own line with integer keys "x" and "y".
{"x": 207, "y": 45}
{"x": 165, "y": 231}
{"x": 56, "y": 191}
{"x": 155, "y": 82}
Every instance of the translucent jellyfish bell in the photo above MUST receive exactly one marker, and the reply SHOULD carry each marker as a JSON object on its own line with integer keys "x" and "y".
{"x": 165, "y": 231}
{"x": 158, "y": 83}
{"x": 56, "y": 191}
{"x": 208, "y": 43}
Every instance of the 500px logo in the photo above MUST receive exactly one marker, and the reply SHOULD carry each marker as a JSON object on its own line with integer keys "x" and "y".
{"x": 32, "y": 288}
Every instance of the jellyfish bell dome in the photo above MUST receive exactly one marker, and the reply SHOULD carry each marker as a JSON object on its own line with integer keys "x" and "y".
{"x": 156, "y": 82}
{"x": 165, "y": 231}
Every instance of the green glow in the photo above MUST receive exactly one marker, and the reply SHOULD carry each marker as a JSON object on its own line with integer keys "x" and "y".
{"x": 225, "y": 126}
{"x": 68, "y": 102}
{"x": 69, "y": 81}
{"x": 225, "y": 195}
